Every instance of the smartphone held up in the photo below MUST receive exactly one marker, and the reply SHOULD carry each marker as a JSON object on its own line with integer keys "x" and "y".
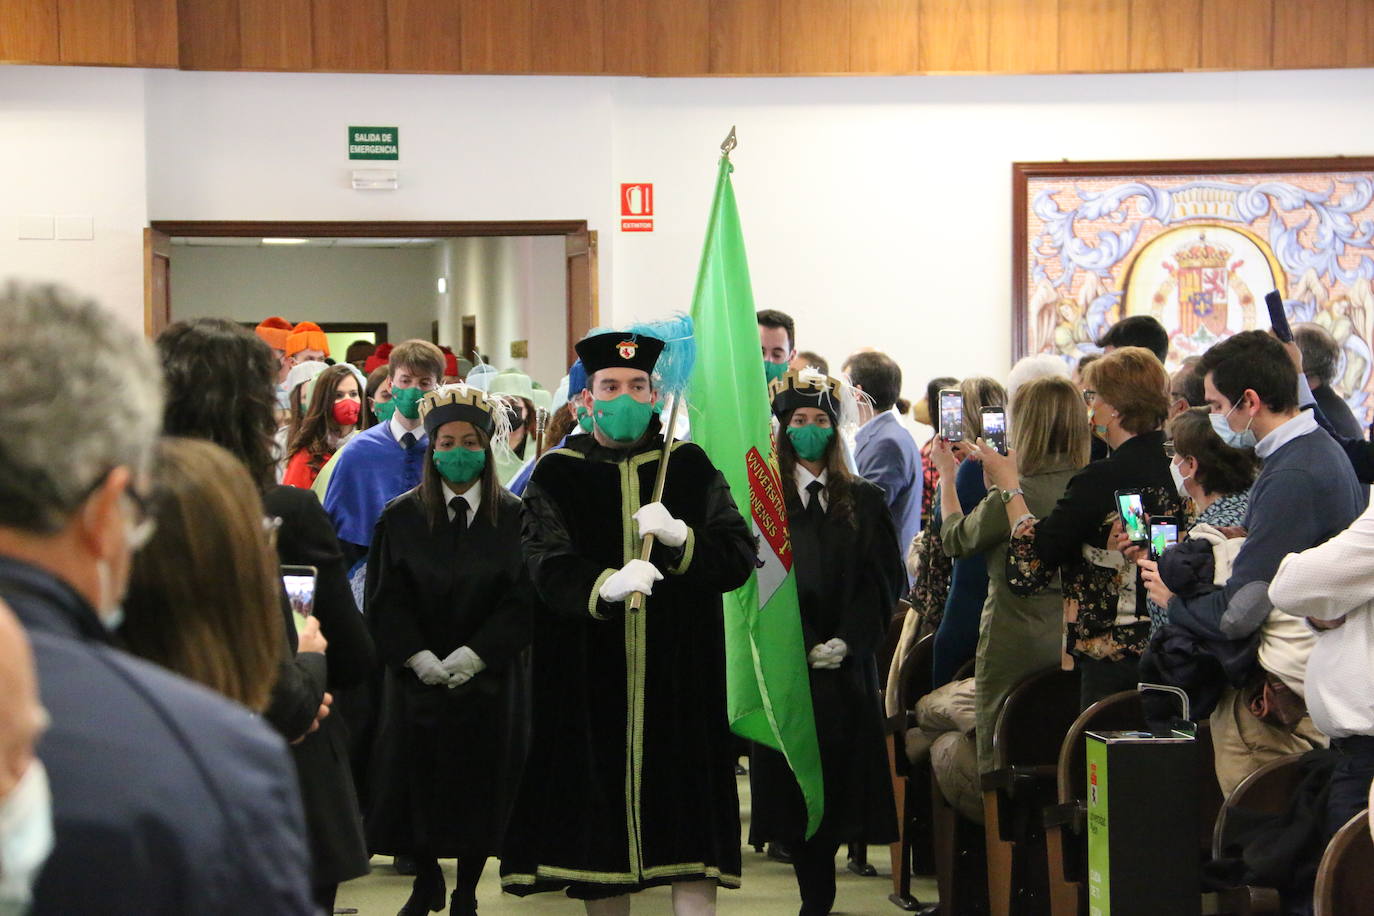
{"x": 951, "y": 415}
{"x": 995, "y": 428}
{"x": 299, "y": 582}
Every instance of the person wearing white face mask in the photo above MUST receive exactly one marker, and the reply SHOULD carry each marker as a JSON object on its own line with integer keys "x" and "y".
{"x": 1305, "y": 493}
{"x": 26, "y": 836}
{"x": 165, "y": 798}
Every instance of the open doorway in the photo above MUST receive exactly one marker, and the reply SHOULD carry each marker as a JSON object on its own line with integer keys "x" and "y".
{"x": 518, "y": 293}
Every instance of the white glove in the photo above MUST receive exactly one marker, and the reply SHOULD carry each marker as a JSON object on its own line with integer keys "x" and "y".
{"x": 463, "y": 665}
{"x": 635, "y": 576}
{"x": 655, "y": 519}
{"x": 428, "y": 668}
{"x": 828, "y": 655}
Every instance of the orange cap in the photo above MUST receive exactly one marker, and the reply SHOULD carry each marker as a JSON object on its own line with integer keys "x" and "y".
{"x": 274, "y": 332}
{"x": 307, "y": 336}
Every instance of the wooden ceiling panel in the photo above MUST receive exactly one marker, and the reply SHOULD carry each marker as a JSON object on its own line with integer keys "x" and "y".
{"x": 208, "y": 35}
{"x": 625, "y": 41}
{"x": 1309, "y": 34}
{"x": 1359, "y": 50}
{"x": 497, "y": 36}
{"x": 28, "y": 32}
{"x": 955, "y": 35}
{"x": 349, "y": 34}
{"x": 1236, "y": 34}
{"x": 745, "y": 36}
{"x": 277, "y": 34}
{"x": 1023, "y": 36}
{"x": 1164, "y": 35}
{"x": 155, "y": 33}
{"x": 883, "y": 36}
{"x": 814, "y": 36}
{"x": 680, "y": 38}
{"x": 96, "y": 32}
{"x": 424, "y": 36}
{"x": 568, "y": 36}
{"x": 1092, "y": 35}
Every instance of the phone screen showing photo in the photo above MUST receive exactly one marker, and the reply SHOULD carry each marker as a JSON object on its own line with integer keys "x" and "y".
{"x": 300, "y": 591}
{"x": 1132, "y": 513}
{"x": 995, "y": 429}
{"x": 951, "y": 416}
{"x": 1163, "y": 535}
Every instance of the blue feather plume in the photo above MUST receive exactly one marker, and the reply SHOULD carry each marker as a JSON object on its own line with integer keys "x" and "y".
{"x": 577, "y": 378}
{"x": 674, "y": 367}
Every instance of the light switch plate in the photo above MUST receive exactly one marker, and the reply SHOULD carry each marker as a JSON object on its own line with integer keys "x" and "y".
{"x": 75, "y": 228}
{"x": 35, "y": 226}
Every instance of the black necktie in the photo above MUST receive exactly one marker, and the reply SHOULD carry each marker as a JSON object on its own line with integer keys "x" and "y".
{"x": 407, "y": 441}
{"x": 814, "y": 509}
{"x": 460, "y": 513}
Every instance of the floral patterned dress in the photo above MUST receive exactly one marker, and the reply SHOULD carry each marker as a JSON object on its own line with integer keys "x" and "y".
{"x": 1104, "y": 609}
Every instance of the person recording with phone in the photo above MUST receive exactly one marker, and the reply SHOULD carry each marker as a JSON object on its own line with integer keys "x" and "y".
{"x": 1217, "y": 479}
{"x": 219, "y": 387}
{"x": 1214, "y": 477}
{"x": 1107, "y": 626}
{"x": 957, "y": 637}
{"x": 226, "y": 571}
{"x": 1017, "y": 635}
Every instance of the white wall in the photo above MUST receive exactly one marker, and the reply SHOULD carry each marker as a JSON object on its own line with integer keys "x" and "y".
{"x": 876, "y": 211}
{"x": 395, "y": 285}
{"x": 516, "y": 289}
{"x": 75, "y": 147}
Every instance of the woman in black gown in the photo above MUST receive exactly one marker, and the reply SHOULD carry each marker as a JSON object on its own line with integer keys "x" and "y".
{"x": 849, "y": 576}
{"x": 449, "y": 604}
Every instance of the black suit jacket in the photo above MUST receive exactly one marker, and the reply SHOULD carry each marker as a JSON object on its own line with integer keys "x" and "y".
{"x": 306, "y": 538}
{"x": 167, "y": 798}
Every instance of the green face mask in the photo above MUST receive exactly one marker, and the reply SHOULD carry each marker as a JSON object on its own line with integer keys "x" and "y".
{"x": 584, "y": 419}
{"x": 774, "y": 371}
{"x": 383, "y": 410}
{"x": 460, "y": 465}
{"x": 810, "y": 440}
{"x": 407, "y": 401}
{"x": 622, "y": 418}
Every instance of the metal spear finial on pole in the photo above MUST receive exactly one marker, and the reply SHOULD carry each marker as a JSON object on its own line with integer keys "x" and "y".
{"x": 729, "y": 143}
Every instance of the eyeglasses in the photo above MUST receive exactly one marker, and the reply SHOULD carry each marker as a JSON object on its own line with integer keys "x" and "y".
{"x": 146, "y": 525}
{"x": 1089, "y": 396}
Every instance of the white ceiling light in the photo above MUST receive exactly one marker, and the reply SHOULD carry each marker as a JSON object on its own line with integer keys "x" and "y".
{"x": 286, "y": 241}
{"x": 442, "y": 285}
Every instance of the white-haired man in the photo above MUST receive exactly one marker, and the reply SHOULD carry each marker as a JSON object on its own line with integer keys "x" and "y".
{"x": 166, "y": 798}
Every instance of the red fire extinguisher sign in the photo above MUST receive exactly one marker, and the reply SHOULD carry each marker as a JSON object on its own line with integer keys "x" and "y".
{"x": 637, "y": 207}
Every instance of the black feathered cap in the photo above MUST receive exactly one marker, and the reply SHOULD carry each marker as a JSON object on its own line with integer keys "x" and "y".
{"x": 456, "y": 402}
{"x": 619, "y": 350}
{"x": 805, "y": 388}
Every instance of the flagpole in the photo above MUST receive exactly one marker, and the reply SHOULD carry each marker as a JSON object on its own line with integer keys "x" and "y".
{"x": 636, "y": 603}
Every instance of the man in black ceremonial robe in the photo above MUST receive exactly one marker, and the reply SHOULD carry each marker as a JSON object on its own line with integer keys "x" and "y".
{"x": 630, "y": 781}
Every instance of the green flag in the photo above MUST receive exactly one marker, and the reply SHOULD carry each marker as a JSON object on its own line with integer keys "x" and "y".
{"x": 767, "y": 679}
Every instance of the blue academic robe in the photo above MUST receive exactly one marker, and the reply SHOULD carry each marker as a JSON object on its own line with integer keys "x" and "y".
{"x": 371, "y": 472}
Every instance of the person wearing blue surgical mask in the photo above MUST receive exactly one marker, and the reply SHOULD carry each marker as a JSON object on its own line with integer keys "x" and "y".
{"x": 26, "y": 833}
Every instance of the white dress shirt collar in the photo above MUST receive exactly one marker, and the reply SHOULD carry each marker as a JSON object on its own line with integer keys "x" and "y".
{"x": 473, "y": 497}
{"x": 804, "y": 478}
{"x": 398, "y": 431}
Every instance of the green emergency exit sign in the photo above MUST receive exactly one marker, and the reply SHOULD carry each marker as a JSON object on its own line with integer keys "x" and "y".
{"x": 374, "y": 143}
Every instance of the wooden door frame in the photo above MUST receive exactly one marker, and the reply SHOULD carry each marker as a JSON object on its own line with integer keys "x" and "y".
{"x": 574, "y": 230}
